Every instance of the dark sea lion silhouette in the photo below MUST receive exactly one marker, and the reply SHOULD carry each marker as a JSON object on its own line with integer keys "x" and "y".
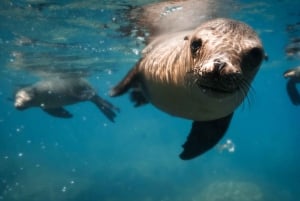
{"x": 294, "y": 78}
{"x": 53, "y": 94}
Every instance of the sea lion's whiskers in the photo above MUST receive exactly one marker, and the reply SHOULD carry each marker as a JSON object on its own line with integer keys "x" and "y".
{"x": 246, "y": 89}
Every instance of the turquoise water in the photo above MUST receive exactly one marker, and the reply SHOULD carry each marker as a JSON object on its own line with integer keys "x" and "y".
{"x": 136, "y": 158}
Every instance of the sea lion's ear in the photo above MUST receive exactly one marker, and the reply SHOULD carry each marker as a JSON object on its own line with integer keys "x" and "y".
{"x": 266, "y": 57}
{"x": 186, "y": 38}
{"x": 203, "y": 136}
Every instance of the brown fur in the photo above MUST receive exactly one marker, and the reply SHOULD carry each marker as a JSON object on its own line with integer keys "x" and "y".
{"x": 168, "y": 58}
{"x": 168, "y": 62}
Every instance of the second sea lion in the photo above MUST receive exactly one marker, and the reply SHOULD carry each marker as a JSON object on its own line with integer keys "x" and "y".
{"x": 52, "y": 95}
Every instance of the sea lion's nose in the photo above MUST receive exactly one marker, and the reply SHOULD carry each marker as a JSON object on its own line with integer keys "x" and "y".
{"x": 223, "y": 68}
{"x": 219, "y": 65}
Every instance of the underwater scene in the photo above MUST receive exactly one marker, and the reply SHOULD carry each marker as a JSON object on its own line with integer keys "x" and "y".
{"x": 84, "y": 139}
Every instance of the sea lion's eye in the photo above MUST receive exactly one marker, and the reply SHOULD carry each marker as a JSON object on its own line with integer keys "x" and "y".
{"x": 195, "y": 45}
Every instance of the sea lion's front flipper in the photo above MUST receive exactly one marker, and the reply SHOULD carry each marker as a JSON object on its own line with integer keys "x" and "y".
{"x": 203, "y": 136}
{"x": 128, "y": 82}
{"x": 58, "y": 112}
{"x": 105, "y": 107}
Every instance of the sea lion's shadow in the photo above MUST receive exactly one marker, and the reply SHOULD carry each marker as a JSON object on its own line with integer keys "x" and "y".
{"x": 292, "y": 90}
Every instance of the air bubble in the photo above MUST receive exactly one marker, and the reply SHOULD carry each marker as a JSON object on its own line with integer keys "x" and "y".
{"x": 135, "y": 51}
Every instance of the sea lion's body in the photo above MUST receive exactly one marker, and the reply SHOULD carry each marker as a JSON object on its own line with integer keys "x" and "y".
{"x": 53, "y": 94}
{"x": 202, "y": 75}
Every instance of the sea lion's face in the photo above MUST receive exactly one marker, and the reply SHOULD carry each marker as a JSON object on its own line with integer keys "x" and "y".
{"x": 23, "y": 99}
{"x": 226, "y": 55}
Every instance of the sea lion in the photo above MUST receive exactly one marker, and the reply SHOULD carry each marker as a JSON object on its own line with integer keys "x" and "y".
{"x": 294, "y": 78}
{"x": 202, "y": 75}
{"x": 292, "y": 49}
{"x": 52, "y": 94}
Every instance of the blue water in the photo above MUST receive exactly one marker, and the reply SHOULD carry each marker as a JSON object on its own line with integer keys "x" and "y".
{"x": 136, "y": 158}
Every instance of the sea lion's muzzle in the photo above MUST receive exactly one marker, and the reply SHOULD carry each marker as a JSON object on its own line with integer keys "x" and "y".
{"x": 21, "y": 100}
{"x": 225, "y": 68}
{"x": 224, "y": 83}
{"x": 219, "y": 76}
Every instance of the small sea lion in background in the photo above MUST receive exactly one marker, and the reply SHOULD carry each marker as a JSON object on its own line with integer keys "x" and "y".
{"x": 202, "y": 75}
{"x": 53, "y": 94}
{"x": 294, "y": 78}
{"x": 292, "y": 50}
